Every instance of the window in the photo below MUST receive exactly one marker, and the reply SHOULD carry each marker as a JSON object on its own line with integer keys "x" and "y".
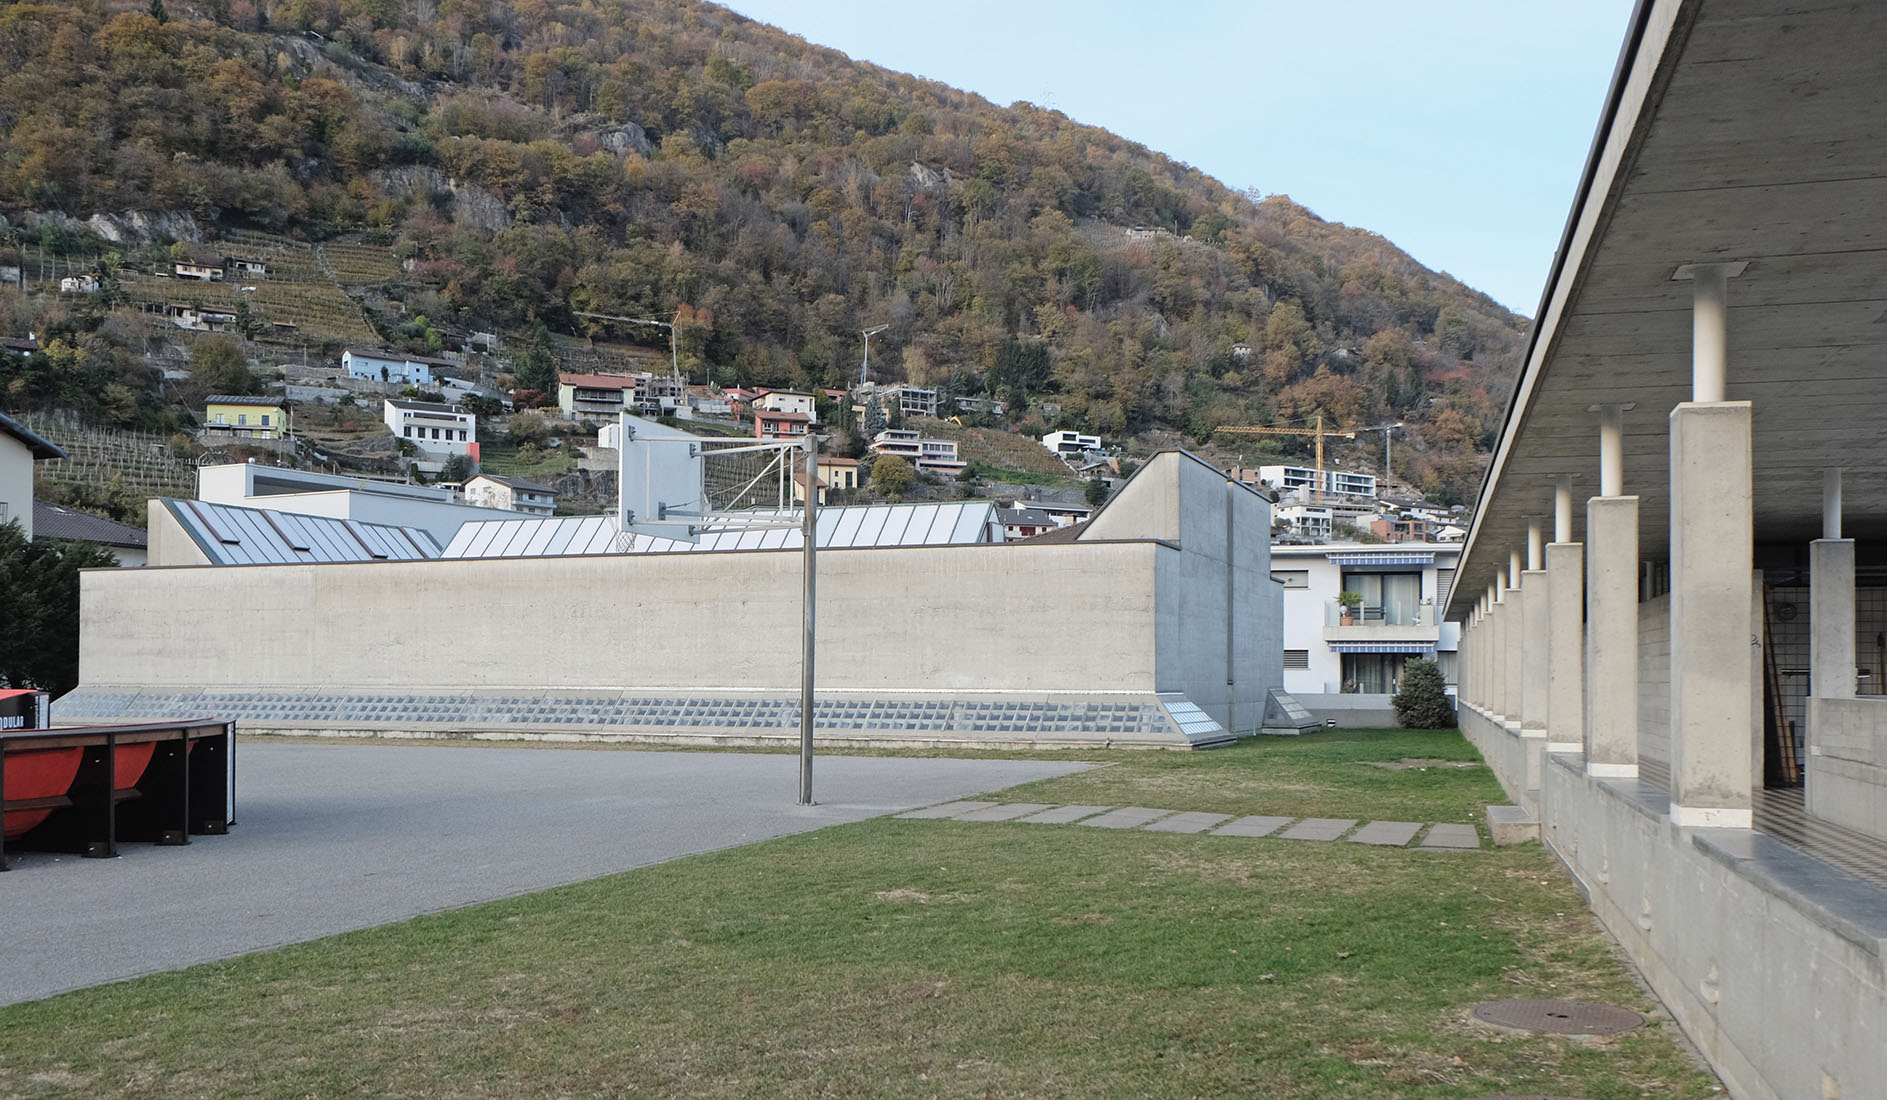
{"x": 242, "y": 418}
{"x": 1292, "y": 578}
{"x": 265, "y": 420}
{"x": 1444, "y": 586}
{"x": 1373, "y": 673}
{"x": 461, "y": 435}
{"x": 435, "y": 433}
{"x": 1297, "y": 658}
{"x": 1393, "y": 599}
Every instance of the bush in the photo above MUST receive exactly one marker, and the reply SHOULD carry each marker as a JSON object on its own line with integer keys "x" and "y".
{"x": 1423, "y": 701}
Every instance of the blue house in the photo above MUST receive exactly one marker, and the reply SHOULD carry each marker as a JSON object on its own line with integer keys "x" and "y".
{"x": 392, "y": 366}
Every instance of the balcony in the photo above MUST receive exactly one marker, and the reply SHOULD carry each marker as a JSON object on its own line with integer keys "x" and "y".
{"x": 1395, "y": 622}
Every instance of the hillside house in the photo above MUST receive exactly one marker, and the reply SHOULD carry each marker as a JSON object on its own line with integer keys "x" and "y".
{"x": 202, "y": 271}
{"x": 787, "y": 401}
{"x": 935, "y": 455}
{"x": 437, "y": 431}
{"x": 393, "y": 366}
{"x": 194, "y": 319}
{"x": 1070, "y": 443}
{"x": 510, "y": 494}
{"x": 779, "y": 425}
{"x": 236, "y": 417}
{"x": 594, "y": 396}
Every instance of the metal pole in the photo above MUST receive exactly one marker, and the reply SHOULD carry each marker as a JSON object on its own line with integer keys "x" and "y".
{"x": 811, "y": 604}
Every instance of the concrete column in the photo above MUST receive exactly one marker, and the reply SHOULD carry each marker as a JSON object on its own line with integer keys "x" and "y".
{"x": 1497, "y": 655}
{"x": 1711, "y": 628}
{"x": 1831, "y": 619}
{"x": 1565, "y": 647}
{"x": 1611, "y": 684}
{"x": 1513, "y": 661}
{"x": 1533, "y": 667}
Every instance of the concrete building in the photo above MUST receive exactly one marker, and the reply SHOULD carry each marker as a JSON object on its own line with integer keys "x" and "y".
{"x": 438, "y": 432}
{"x": 835, "y": 474}
{"x": 934, "y": 455}
{"x": 1025, "y": 523}
{"x": 235, "y": 417}
{"x": 1070, "y": 443}
{"x": 1672, "y": 584}
{"x": 20, "y": 447}
{"x": 1303, "y": 480}
{"x": 1169, "y": 584}
{"x": 510, "y": 494}
{"x": 1349, "y": 670}
{"x": 594, "y": 396}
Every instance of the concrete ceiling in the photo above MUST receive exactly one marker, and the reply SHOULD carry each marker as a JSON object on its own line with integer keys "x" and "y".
{"x": 1740, "y": 130}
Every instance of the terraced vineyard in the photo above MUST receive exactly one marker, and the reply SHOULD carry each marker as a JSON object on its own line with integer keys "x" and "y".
{"x": 94, "y": 456}
{"x": 319, "y": 310}
{"x": 360, "y": 264}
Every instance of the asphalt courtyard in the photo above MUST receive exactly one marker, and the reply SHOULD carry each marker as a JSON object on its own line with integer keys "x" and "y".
{"x": 330, "y": 838}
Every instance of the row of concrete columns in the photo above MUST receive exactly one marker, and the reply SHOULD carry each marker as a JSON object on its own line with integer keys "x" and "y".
{"x": 1552, "y": 649}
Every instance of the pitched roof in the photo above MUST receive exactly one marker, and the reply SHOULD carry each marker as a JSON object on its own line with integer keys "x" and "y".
{"x": 230, "y": 534}
{"x": 233, "y": 399}
{"x": 790, "y": 417}
{"x": 41, "y": 447}
{"x": 52, "y": 521}
{"x": 1032, "y": 517}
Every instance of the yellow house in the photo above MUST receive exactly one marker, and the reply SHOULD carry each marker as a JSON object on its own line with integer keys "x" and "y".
{"x": 244, "y": 417}
{"x": 834, "y": 473}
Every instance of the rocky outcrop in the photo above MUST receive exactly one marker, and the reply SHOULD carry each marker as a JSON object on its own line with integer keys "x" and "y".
{"x": 625, "y": 139}
{"x": 472, "y": 205}
{"x": 136, "y": 228}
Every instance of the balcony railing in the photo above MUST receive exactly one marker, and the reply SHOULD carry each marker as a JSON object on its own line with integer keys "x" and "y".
{"x": 1394, "y": 614}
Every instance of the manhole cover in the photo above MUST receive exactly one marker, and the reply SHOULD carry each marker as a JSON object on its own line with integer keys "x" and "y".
{"x": 1560, "y": 1017}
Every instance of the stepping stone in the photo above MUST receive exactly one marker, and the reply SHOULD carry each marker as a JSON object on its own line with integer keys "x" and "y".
{"x": 1451, "y": 836}
{"x": 1127, "y": 817}
{"x": 1187, "y": 823}
{"x": 1062, "y": 815}
{"x": 1004, "y": 813}
{"x": 1389, "y": 834}
{"x": 1319, "y": 828}
{"x": 949, "y": 809}
{"x": 1256, "y": 825}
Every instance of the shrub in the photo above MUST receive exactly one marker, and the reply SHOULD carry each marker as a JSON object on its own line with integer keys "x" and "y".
{"x": 1422, "y": 703}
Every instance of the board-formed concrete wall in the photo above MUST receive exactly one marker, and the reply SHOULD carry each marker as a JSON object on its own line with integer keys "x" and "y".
{"x": 1143, "y": 604}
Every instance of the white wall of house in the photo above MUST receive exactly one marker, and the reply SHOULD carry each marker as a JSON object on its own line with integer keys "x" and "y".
{"x": 1312, "y": 583}
{"x": 16, "y": 483}
{"x": 439, "y": 432}
{"x": 398, "y": 368}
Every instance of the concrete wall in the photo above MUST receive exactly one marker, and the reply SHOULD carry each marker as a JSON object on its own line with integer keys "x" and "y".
{"x": 1517, "y": 758}
{"x": 16, "y": 483}
{"x": 1654, "y": 681}
{"x": 984, "y": 618}
{"x": 1847, "y": 767}
{"x": 1220, "y": 616}
{"x": 1769, "y": 959}
{"x": 1354, "y": 711}
{"x": 1087, "y": 617}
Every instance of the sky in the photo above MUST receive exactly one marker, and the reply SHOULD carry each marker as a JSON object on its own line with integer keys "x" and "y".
{"x": 1455, "y": 128}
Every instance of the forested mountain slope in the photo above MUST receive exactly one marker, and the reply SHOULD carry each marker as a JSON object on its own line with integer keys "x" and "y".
{"x": 662, "y": 158}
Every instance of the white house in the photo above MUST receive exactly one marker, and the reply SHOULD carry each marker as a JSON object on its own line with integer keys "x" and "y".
{"x": 1401, "y": 589}
{"x": 438, "y": 431}
{"x": 788, "y": 401}
{"x": 512, "y": 494}
{"x": 392, "y": 366}
{"x": 1288, "y": 479}
{"x": 1071, "y": 443}
{"x": 939, "y": 455}
{"x": 20, "y": 447}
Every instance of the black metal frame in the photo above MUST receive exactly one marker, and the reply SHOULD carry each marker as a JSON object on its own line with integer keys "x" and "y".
{"x": 180, "y": 793}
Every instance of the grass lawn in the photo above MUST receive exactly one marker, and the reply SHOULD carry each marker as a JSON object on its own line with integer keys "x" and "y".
{"x": 918, "y": 958}
{"x": 1328, "y": 773}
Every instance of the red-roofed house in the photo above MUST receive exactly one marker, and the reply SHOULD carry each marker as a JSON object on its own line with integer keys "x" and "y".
{"x": 768, "y": 424}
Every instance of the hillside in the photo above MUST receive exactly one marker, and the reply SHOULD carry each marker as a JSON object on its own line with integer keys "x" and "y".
{"x": 450, "y": 167}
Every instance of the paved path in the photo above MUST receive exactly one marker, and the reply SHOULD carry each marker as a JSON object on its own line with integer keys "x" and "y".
{"x": 336, "y": 837}
{"x": 1442, "y": 837}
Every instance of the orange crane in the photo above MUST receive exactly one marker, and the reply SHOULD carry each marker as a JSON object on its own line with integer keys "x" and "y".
{"x": 1317, "y": 430}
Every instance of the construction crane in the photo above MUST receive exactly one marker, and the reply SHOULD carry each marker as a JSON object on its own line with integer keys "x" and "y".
{"x": 1317, "y": 429}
